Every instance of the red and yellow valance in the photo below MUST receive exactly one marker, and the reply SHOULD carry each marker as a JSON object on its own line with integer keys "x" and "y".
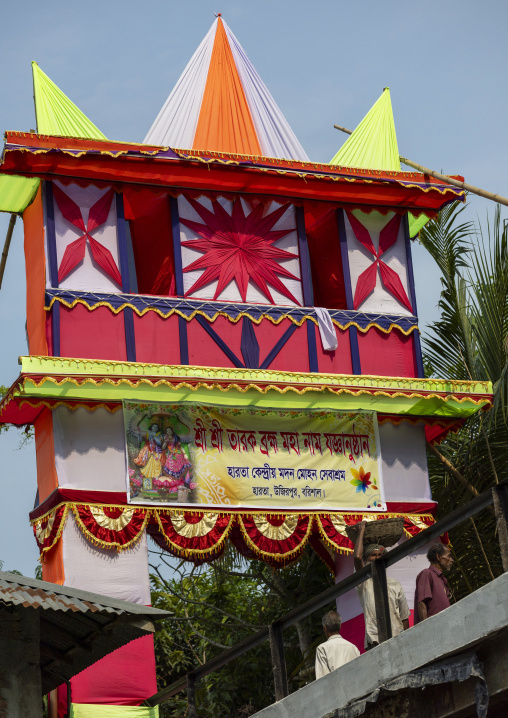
{"x": 201, "y": 536}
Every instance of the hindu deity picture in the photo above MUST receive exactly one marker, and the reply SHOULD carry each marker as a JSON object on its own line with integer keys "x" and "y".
{"x": 160, "y": 467}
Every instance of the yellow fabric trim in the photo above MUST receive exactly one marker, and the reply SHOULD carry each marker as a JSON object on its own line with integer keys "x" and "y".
{"x": 211, "y": 319}
{"x": 107, "y": 522}
{"x": 276, "y": 533}
{"x": 65, "y": 366}
{"x": 192, "y": 552}
{"x": 197, "y": 530}
{"x": 277, "y": 556}
{"x": 58, "y": 534}
{"x": 105, "y": 544}
{"x": 246, "y": 387}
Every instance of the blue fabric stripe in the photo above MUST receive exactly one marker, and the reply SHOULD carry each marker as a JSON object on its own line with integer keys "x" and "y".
{"x": 234, "y": 311}
{"x": 277, "y": 347}
{"x": 420, "y": 371}
{"x": 220, "y": 342}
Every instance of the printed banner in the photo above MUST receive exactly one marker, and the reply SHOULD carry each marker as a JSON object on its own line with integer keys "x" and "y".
{"x": 252, "y": 458}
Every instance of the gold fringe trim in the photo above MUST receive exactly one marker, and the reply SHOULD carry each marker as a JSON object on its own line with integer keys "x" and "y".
{"x": 106, "y": 544}
{"x": 242, "y": 388}
{"x": 58, "y": 534}
{"x": 278, "y": 556}
{"x": 202, "y": 553}
{"x": 165, "y": 315}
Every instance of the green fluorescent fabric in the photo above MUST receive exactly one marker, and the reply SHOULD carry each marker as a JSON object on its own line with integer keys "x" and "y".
{"x": 56, "y": 114}
{"x": 93, "y": 710}
{"x": 16, "y": 193}
{"x": 416, "y": 223}
{"x": 373, "y": 144}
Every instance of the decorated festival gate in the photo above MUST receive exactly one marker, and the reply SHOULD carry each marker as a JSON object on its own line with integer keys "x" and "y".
{"x": 223, "y": 345}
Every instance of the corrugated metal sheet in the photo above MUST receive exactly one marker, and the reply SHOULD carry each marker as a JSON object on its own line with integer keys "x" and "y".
{"x": 22, "y": 591}
{"x": 77, "y": 628}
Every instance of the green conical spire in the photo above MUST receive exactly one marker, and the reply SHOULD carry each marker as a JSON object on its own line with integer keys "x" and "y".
{"x": 56, "y": 114}
{"x": 373, "y": 144}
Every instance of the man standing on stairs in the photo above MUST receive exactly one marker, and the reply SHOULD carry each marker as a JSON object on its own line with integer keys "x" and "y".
{"x": 399, "y": 610}
{"x": 336, "y": 651}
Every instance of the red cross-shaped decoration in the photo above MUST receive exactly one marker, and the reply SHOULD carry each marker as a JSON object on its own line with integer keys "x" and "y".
{"x": 75, "y": 251}
{"x": 367, "y": 279}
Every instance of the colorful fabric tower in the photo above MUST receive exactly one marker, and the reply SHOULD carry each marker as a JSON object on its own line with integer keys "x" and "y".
{"x": 220, "y": 103}
{"x": 223, "y": 350}
{"x": 373, "y": 145}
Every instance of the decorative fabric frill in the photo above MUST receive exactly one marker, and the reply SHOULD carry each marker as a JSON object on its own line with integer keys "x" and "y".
{"x": 200, "y": 536}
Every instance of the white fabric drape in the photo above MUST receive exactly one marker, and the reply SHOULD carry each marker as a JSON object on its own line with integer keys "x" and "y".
{"x": 118, "y": 574}
{"x": 404, "y": 456}
{"x": 275, "y": 136}
{"x": 89, "y": 449}
{"x": 326, "y": 329}
{"x": 176, "y": 123}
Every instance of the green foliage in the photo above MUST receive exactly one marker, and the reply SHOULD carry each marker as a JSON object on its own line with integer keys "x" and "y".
{"x": 217, "y": 606}
{"x": 470, "y": 342}
{"x": 26, "y": 432}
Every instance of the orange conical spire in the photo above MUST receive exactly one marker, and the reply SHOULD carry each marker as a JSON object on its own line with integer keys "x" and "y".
{"x": 225, "y": 123}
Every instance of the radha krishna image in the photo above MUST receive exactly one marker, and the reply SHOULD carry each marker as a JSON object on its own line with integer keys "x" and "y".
{"x": 160, "y": 468}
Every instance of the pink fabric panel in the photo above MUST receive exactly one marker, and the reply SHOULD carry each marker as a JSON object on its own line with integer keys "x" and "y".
{"x": 92, "y": 335}
{"x": 338, "y": 361}
{"x": 124, "y": 677}
{"x": 49, "y": 333}
{"x": 203, "y": 351}
{"x": 389, "y": 354}
{"x": 157, "y": 339}
{"x": 294, "y": 355}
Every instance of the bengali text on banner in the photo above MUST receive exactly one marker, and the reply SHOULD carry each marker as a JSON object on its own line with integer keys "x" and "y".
{"x": 215, "y": 457}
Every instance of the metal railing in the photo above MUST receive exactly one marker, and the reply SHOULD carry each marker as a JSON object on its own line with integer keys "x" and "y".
{"x": 497, "y": 496}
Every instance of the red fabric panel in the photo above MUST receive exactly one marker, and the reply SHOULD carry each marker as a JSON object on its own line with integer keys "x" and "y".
{"x": 92, "y": 335}
{"x": 35, "y": 263}
{"x": 229, "y": 178}
{"x": 389, "y": 354}
{"x": 354, "y": 630}
{"x": 294, "y": 355}
{"x": 124, "y": 677}
{"x": 203, "y": 351}
{"x": 152, "y": 243}
{"x": 325, "y": 258}
{"x": 338, "y": 361}
{"x": 157, "y": 339}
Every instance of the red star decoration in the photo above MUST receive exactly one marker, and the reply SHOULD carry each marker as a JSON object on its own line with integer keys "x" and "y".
{"x": 239, "y": 247}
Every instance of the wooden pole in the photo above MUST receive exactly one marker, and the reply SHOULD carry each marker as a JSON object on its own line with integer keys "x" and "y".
{"x": 7, "y": 244}
{"x": 444, "y": 178}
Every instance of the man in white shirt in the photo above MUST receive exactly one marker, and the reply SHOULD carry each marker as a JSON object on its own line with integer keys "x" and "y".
{"x": 336, "y": 651}
{"x": 399, "y": 610}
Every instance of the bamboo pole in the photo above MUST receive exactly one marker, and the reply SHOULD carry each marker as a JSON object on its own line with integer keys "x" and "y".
{"x": 444, "y": 178}
{"x": 7, "y": 244}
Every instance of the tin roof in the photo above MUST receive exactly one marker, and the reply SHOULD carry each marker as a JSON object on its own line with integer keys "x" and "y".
{"x": 77, "y": 628}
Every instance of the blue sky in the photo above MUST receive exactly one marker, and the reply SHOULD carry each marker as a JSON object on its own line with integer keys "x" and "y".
{"x": 324, "y": 62}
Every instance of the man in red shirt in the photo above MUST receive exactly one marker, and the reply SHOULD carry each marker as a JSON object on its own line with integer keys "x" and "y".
{"x": 432, "y": 594}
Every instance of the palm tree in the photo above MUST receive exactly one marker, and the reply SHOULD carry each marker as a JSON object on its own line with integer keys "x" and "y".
{"x": 469, "y": 341}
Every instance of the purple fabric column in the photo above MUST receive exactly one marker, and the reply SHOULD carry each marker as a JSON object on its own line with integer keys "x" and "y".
{"x": 128, "y": 316}
{"x": 420, "y": 371}
{"x": 177, "y": 254}
{"x": 308, "y": 292}
{"x": 53, "y": 264}
{"x": 353, "y": 332}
